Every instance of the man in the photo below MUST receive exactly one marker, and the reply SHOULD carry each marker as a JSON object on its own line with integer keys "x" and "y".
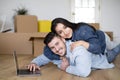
{"x": 78, "y": 62}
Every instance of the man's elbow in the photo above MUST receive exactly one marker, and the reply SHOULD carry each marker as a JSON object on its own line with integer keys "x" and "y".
{"x": 84, "y": 73}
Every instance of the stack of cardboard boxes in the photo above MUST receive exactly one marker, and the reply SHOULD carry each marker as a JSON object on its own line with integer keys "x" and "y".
{"x": 26, "y": 39}
{"x": 29, "y": 24}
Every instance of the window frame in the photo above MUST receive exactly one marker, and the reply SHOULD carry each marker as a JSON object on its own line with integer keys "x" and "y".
{"x": 97, "y": 10}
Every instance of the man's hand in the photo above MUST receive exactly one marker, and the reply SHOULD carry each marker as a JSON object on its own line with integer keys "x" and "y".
{"x": 33, "y": 67}
{"x": 64, "y": 64}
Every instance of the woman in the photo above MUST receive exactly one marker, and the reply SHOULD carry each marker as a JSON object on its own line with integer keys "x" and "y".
{"x": 81, "y": 34}
{"x": 85, "y": 35}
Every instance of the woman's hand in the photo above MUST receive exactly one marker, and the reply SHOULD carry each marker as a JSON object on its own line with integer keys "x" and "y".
{"x": 79, "y": 43}
{"x": 64, "y": 64}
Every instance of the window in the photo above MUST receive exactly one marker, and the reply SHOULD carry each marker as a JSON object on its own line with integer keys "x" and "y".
{"x": 84, "y": 11}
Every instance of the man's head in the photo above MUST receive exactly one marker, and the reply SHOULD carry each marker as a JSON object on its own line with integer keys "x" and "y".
{"x": 55, "y": 43}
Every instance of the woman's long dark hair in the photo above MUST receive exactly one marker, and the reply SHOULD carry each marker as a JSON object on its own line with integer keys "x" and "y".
{"x": 67, "y": 23}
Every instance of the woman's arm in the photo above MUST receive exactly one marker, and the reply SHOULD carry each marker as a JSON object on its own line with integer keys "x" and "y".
{"x": 79, "y": 43}
{"x": 49, "y": 54}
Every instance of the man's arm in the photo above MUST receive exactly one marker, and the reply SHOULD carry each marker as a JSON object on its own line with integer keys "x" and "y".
{"x": 37, "y": 62}
{"x": 82, "y": 62}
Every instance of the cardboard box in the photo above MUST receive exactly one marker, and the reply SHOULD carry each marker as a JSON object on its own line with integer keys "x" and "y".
{"x": 38, "y": 44}
{"x": 20, "y": 42}
{"x": 15, "y": 41}
{"x": 110, "y": 34}
{"x": 95, "y": 25}
{"x": 26, "y": 24}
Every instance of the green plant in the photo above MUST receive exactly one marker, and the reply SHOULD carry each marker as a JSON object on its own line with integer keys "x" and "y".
{"x": 21, "y": 11}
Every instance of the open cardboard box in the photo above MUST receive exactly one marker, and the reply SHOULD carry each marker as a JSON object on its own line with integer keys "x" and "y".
{"x": 20, "y": 42}
{"x": 37, "y": 43}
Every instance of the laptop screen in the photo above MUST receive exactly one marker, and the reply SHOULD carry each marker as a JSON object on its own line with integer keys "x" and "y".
{"x": 16, "y": 61}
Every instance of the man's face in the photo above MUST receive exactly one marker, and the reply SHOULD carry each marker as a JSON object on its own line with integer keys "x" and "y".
{"x": 57, "y": 45}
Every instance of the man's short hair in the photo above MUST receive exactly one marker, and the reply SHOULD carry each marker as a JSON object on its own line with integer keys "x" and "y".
{"x": 49, "y": 37}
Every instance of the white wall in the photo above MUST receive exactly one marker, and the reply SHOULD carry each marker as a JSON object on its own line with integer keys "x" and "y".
{"x": 43, "y": 9}
{"x": 110, "y": 17}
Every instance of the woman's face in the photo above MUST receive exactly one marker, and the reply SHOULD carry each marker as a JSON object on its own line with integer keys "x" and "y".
{"x": 63, "y": 31}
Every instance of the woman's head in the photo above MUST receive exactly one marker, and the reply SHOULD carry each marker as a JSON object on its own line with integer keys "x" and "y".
{"x": 62, "y": 27}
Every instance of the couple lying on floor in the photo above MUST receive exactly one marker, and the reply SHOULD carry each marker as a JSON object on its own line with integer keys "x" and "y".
{"x": 81, "y": 58}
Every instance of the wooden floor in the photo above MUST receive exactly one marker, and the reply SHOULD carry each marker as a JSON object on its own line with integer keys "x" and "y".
{"x": 51, "y": 72}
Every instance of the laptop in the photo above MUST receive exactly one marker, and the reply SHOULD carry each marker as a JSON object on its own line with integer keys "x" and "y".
{"x": 24, "y": 72}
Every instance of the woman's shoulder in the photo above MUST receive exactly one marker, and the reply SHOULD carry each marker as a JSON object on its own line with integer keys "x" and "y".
{"x": 83, "y": 25}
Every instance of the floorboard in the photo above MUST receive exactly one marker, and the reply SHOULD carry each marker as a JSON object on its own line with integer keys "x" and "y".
{"x": 51, "y": 72}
